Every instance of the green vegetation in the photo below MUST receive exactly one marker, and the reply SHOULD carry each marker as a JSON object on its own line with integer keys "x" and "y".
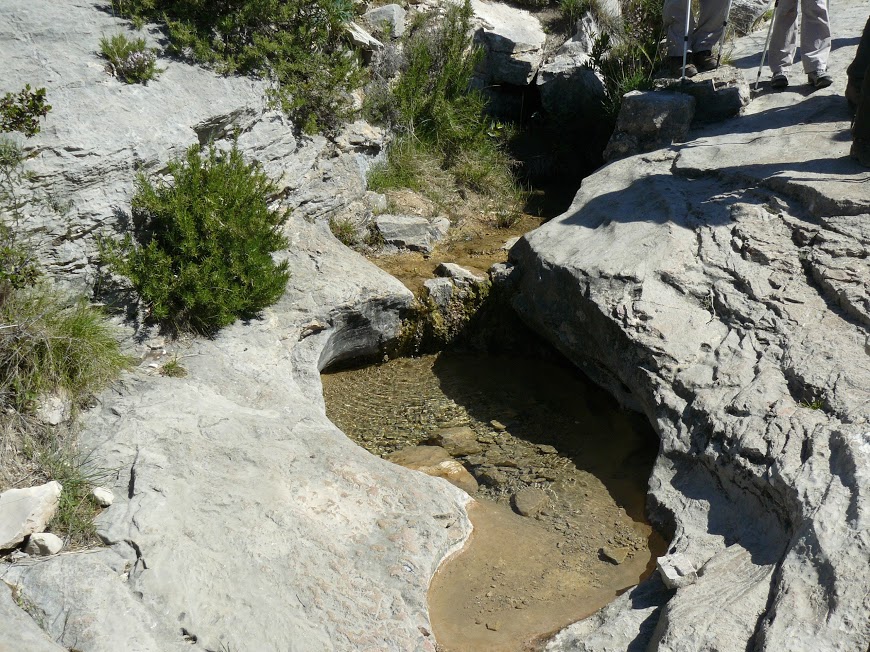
{"x": 627, "y": 59}
{"x": 77, "y": 508}
{"x": 204, "y": 256}
{"x": 299, "y": 45}
{"x": 446, "y": 146}
{"x": 344, "y": 230}
{"x": 173, "y": 369}
{"x": 131, "y": 61}
{"x": 21, "y": 111}
{"x": 51, "y": 344}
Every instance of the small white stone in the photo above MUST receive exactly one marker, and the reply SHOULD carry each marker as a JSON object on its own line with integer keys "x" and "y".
{"x": 677, "y": 570}
{"x": 103, "y": 496}
{"x": 43, "y": 544}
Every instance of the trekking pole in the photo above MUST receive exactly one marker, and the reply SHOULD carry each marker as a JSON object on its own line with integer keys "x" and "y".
{"x": 686, "y": 37}
{"x": 724, "y": 32}
{"x": 766, "y": 43}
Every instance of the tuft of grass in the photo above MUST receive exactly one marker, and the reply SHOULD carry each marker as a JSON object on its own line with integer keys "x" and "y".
{"x": 131, "y": 61}
{"x": 50, "y": 343}
{"x": 173, "y": 369}
{"x": 344, "y": 230}
{"x": 74, "y": 519}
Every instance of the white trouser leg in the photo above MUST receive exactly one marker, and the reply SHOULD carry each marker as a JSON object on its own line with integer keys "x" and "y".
{"x": 711, "y": 25}
{"x": 783, "y": 36}
{"x": 815, "y": 35}
{"x": 674, "y": 18}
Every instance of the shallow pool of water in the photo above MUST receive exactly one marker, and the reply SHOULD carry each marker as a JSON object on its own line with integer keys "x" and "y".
{"x": 539, "y": 425}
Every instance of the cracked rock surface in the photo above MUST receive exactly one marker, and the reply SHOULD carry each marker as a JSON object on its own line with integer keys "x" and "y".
{"x": 243, "y": 519}
{"x": 720, "y": 287}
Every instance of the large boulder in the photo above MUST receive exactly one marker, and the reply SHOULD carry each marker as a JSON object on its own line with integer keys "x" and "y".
{"x": 571, "y": 91}
{"x": 685, "y": 281}
{"x": 513, "y": 43}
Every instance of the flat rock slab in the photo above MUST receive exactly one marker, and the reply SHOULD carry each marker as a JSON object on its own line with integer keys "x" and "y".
{"x": 411, "y": 232}
{"x": 436, "y": 462}
{"x": 18, "y": 631}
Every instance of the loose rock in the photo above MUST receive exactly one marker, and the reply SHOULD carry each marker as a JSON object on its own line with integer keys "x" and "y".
{"x": 25, "y": 511}
{"x": 435, "y": 461}
{"x": 103, "y": 496}
{"x": 457, "y": 441}
{"x": 529, "y": 502}
{"x": 43, "y": 544}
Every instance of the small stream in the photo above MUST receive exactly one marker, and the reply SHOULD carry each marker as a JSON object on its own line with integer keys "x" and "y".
{"x": 536, "y": 424}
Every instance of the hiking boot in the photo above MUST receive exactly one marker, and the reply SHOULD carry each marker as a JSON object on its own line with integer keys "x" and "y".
{"x": 779, "y": 80}
{"x": 861, "y": 152}
{"x": 819, "y": 79}
{"x": 853, "y": 95}
{"x": 704, "y": 61}
{"x": 675, "y": 67}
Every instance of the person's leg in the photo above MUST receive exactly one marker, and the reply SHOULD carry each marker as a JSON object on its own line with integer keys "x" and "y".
{"x": 783, "y": 37}
{"x": 674, "y": 17}
{"x": 858, "y": 68}
{"x": 711, "y": 24}
{"x": 815, "y": 35}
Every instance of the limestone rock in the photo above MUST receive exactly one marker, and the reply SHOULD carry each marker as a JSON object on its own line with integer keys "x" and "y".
{"x": 705, "y": 285}
{"x": 721, "y": 610}
{"x": 25, "y": 511}
{"x": 103, "y": 496}
{"x": 513, "y": 43}
{"x": 362, "y": 39}
{"x": 43, "y": 544}
{"x": 435, "y": 461}
{"x": 719, "y": 94}
{"x": 459, "y": 274}
{"x": 571, "y": 91}
{"x": 457, "y": 441}
{"x": 530, "y": 501}
{"x": 613, "y": 554}
{"x": 491, "y": 476}
{"x": 392, "y": 15}
{"x": 410, "y": 232}
{"x": 676, "y": 570}
{"x": 53, "y": 410}
{"x": 650, "y": 120}
{"x": 746, "y": 13}
{"x": 18, "y": 631}
{"x": 440, "y": 291}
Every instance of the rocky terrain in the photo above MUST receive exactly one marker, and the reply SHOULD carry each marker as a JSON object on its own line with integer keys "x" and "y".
{"x": 718, "y": 285}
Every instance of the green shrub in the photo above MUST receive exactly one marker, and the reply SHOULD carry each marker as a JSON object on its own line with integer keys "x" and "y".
{"x": 444, "y": 136}
{"x": 131, "y": 61}
{"x": 50, "y": 343}
{"x": 298, "y": 44}
{"x": 18, "y": 265}
{"x": 21, "y": 111}
{"x": 204, "y": 257}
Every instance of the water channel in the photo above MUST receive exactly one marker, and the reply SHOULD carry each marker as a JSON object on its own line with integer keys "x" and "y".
{"x": 537, "y": 424}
